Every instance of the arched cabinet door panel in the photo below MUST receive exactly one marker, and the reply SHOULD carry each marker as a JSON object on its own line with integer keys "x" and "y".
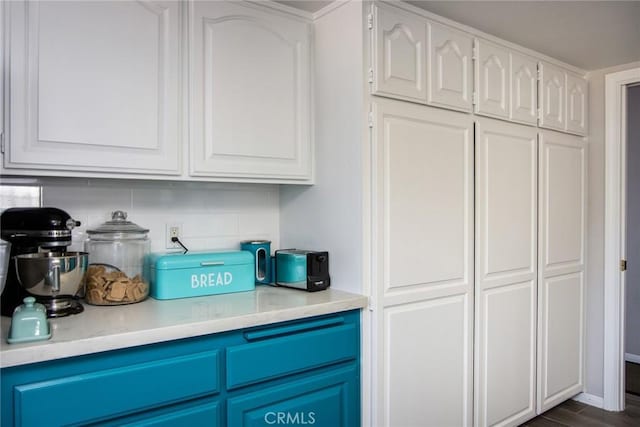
{"x": 552, "y": 88}
{"x": 400, "y": 45}
{"x": 577, "y": 99}
{"x": 95, "y": 87}
{"x": 250, "y": 92}
{"x": 450, "y": 72}
{"x": 492, "y": 79}
{"x": 524, "y": 80}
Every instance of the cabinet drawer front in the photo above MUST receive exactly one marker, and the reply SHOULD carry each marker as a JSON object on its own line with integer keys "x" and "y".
{"x": 287, "y": 354}
{"x": 330, "y": 399}
{"x": 207, "y": 414}
{"x": 92, "y": 396}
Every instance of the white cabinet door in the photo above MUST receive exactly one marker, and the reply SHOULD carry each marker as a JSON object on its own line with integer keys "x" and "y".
{"x": 250, "y": 92}
{"x": 492, "y": 85}
{"x": 524, "y": 89}
{"x": 450, "y": 73}
{"x": 506, "y": 291}
{"x": 576, "y": 104}
{"x": 552, "y": 96}
{"x": 560, "y": 268}
{"x": 95, "y": 86}
{"x": 423, "y": 196}
{"x": 400, "y": 46}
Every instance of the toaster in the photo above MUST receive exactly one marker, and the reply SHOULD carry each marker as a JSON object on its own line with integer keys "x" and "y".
{"x": 301, "y": 269}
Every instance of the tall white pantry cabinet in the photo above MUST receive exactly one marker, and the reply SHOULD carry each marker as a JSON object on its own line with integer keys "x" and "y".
{"x": 471, "y": 213}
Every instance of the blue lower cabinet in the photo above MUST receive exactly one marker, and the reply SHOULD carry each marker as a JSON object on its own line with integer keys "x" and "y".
{"x": 330, "y": 399}
{"x": 304, "y": 372}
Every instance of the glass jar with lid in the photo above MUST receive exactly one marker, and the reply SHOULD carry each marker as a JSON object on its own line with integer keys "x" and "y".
{"x": 117, "y": 252}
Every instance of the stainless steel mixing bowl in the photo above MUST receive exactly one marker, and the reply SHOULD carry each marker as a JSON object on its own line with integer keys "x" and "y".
{"x": 52, "y": 273}
{"x": 5, "y": 253}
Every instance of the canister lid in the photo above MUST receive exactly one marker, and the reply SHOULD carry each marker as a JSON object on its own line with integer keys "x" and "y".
{"x": 171, "y": 261}
{"x": 118, "y": 224}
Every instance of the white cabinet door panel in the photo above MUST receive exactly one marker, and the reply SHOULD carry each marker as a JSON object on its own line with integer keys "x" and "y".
{"x": 562, "y": 187}
{"x": 506, "y": 201}
{"x": 506, "y": 291}
{"x": 425, "y": 171}
{"x": 450, "y": 73}
{"x": 423, "y": 201}
{"x": 400, "y": 45}
{"x": 552, "y": 95}
{"x": 250, "y": 100}
{"x": 492, "y": 79}
{"x": 561, "y": 331}
{"x": 561, "y": 268}
{"x": 577, "y": 104}
{"x": 524, "y": 99}
{"x": 427, "y": 363}
{"x": 506, "y": 367}
{"x": 95, "y": 86}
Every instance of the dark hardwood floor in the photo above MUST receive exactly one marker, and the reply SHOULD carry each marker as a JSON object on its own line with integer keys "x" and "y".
{"x": 576, "y": 414}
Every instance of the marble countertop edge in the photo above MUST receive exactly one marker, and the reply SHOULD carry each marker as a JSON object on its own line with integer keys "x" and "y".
{"x": 289, "y": 305}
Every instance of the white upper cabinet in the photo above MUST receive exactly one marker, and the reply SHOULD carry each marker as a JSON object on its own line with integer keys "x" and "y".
{"x": 399, "y": 62}
{"x": 576, "y": 104}
{"x": 95, "y": 86}
{"x": 417, "y": 59}
{"x": 98, "y": 88}
{"x": 524, "y": 78}
{"x": 552, "y": 92}
{"x": 505, "y": 83}
{"x": 250, "y": 98}
{"x": 450, "y": 73}
{"x": 563, "y": 100}
{"x": 492, "y": 79}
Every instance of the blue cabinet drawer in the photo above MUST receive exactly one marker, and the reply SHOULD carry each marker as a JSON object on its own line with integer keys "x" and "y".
{"x": 203, "y": 412}
{"x": 331, "y": 399}
{"x": 105, "y": 393}
{"x": 274, "y": 352}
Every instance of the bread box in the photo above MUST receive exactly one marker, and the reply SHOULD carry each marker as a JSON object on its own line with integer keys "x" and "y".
{"x": 195, "y": 274}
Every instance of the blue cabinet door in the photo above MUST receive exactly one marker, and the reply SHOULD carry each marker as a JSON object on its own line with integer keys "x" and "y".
{"x": 330, "y": 399}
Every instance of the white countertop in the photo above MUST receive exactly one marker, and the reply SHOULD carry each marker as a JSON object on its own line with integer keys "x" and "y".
{"x": 112, "y": 327}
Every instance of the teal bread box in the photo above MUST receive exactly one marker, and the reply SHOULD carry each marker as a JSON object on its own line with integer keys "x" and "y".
{"x": 200, "y": 273}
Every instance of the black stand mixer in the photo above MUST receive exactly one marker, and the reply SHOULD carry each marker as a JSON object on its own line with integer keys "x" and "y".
{"x": 41, "y": 233}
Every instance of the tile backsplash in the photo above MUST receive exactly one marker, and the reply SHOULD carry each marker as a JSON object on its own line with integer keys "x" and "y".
{"x": 212, "y": 215}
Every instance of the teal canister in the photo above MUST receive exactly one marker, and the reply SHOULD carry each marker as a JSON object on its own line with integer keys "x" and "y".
{"x": 261, "y": 250}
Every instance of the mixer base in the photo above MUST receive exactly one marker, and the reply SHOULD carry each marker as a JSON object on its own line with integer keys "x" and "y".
{"x": 61, "y": 307}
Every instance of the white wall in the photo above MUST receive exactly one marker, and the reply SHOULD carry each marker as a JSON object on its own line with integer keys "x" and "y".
{"x": 329, "y": 215}
{"x": 632, "y": 341}
{"x": 595, "y": 231}
{"x": 213, "y": 216}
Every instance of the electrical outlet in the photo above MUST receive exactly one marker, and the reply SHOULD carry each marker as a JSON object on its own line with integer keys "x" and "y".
{"x": 173, "y": 230}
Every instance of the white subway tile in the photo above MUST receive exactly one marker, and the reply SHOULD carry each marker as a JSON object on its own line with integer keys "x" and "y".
{"x": 213, "y": 216}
